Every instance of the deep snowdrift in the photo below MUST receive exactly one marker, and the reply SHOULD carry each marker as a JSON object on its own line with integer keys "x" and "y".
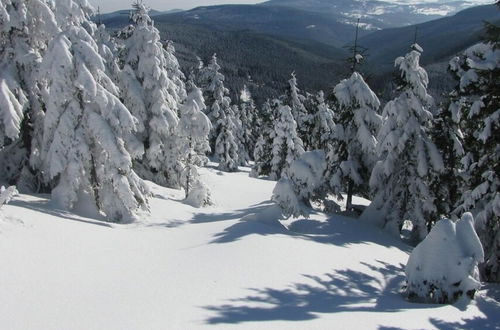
{"x": 229, "y": 264}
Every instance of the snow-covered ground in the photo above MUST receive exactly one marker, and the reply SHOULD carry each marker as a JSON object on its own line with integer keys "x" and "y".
{"x": 231, "y": 264}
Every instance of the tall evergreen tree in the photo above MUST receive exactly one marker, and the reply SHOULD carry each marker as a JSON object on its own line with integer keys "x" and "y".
{"x": 287, "y": 145}
{"x": 216, "y": 98}
{"x": 25, "y": 30}
{"x": 295, "y": 101}
{"x": 323, "y": 124}
{"x": 248, "y": 118}
{"x": 448, "y": 137}
{"x": 83, "y": 153}
{"x": 226, "y": 144}
{"x": 152, "y": 96}
{"x": 479, "y": 73}
{"x": 408, "y": 158}
{"x": 194, "y": 128}
{"x": 263, "y": 148}
{"x": 357, "y": 125}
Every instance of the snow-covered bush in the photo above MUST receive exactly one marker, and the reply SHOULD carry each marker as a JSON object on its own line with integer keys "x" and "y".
{"x": 199, "y": 195}
{"x": 443, "y": 267}
{"x": 294, "y": 192}
{"x": 6, "y": 194}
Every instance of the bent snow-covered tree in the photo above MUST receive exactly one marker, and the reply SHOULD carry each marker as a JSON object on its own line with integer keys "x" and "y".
{"x": 443, "y": 267}
{"x": 152, "y": 97}
{"x": 479, "y": 73}
{"x": 355, "y": 131}
{"x": 83, "y": 152}
{"x": 408, "y": 159}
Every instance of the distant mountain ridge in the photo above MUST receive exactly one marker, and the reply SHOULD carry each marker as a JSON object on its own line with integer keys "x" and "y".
{"x": 269, "y": 42}
{"x": 377, "y": 14}
{"x": 440, "y": 38}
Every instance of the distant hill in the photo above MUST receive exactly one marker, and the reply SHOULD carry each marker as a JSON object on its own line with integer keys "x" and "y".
{"x": 269, "y": 43}
{"x": 283, "y": 22}
{"x": 440, "y": 38}
{"x": 381, "y": 14}
{"x": 267, "y": 60}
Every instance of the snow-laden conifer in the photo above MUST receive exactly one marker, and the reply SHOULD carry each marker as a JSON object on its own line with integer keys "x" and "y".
{"x": 357, "y": 125}
{"x": 226, "y": 143}
{"x": 408, "y": 157}
{"x": 249, "y": 126}
{"x": 216, "y": 99}
{"x": 448, "y": 137}
{"x": 194, "y": 128}
{"x": 295, "y": 100}
{"x": 84, "y": 153}
{"x": 243, "y": 156}
{"x": 152, "y": 97}
{"x": 263, "y": 148}
{"x": 323, "y": 124}
{"x": 25, "y": 29}
{"x": 294, "y": 192}
{"x": 287, "y": 145}
{"x": 478, "y": 70}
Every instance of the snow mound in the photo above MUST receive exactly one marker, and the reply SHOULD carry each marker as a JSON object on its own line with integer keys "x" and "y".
{"x": 444, "y": 266}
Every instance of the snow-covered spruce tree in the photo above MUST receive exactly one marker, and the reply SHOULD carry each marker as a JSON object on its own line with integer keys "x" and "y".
{"x": 323, "y": 124}
{"x": 249, "y": 125}
{"x": 357, "y": 125}
{"x": 152, "y": 97}
{"x": 243, "y": 156}
{"x": 408, "y": 158}
{"x": 194, "y": 127}
{"x": 84, "y": 156}
{"x": 448, "y": 137}
{"x": 295, "y": 101}
{"x": 178, "y": 88}
{"x": 479, "y": 72}
{"x": 216, "y": 98}
{"x": 226, "y": 145}
{"x": 287, "y": 145}
{"x": 25, "y": 30}
{"x": 305, "y": 176}
{"x": 263, "y": 148}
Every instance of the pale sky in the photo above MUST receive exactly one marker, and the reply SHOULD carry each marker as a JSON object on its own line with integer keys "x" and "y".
{"x": 107, "y": 6}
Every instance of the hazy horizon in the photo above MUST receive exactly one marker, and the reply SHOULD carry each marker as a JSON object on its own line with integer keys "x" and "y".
{"x": 107, "y": 6}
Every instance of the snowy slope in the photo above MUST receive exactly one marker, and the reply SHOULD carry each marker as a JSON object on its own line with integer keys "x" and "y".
{"x": 185, "y": 268}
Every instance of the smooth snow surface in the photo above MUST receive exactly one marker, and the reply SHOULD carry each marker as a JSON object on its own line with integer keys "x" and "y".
{"x": 186, "y": 268}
